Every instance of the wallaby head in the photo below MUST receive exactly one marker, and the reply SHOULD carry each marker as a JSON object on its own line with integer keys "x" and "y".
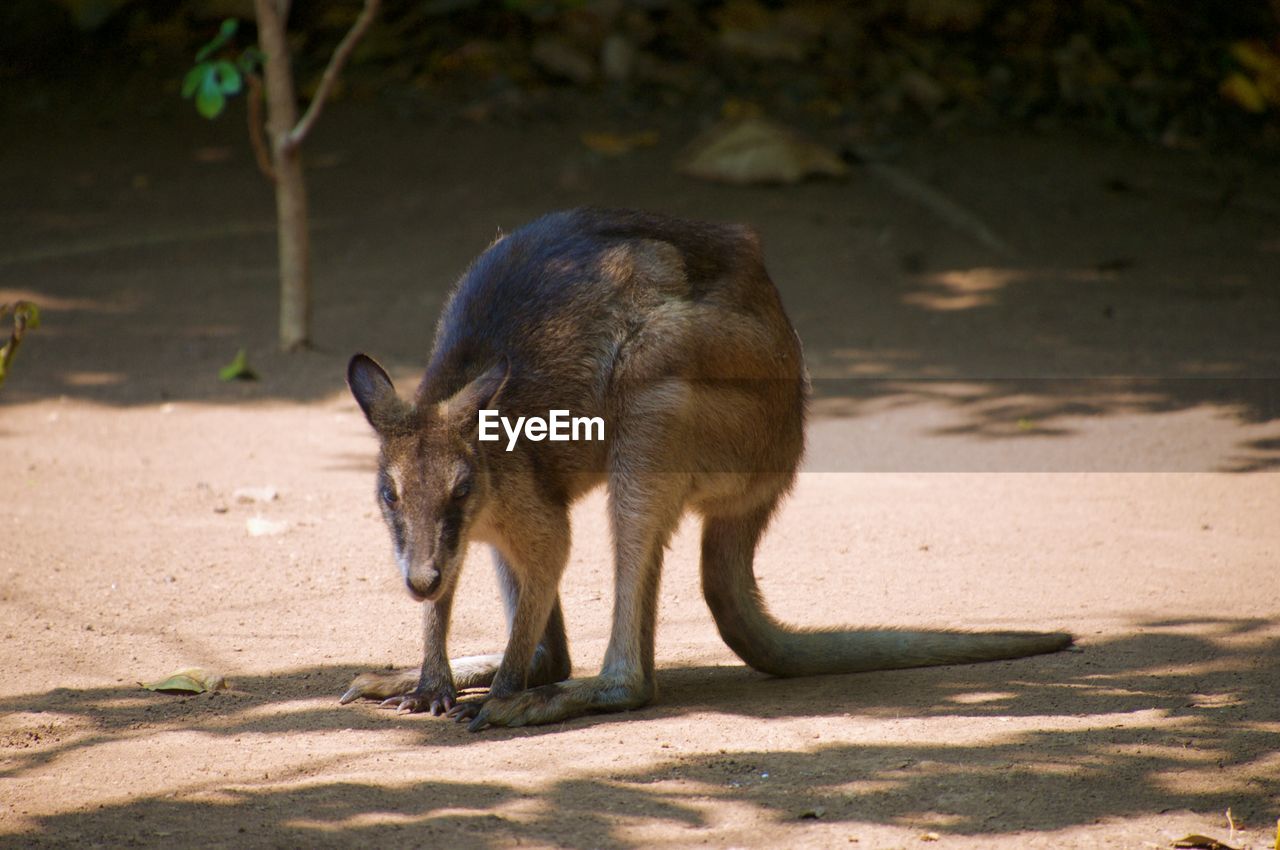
{"x": 432, "y": 479}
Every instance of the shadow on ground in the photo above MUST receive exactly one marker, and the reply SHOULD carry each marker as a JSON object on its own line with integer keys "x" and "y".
{"x": 1119, "y": 723}
{"x": 1114, "y": 302}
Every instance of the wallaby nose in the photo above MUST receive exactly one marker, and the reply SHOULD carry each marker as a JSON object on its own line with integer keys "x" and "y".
{"x": 423, "y": 585}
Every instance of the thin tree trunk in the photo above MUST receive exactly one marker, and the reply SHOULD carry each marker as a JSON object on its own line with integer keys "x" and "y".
{"x": 291, "y": 189}
{"x": 287, "y": 134}
{"x": 295, "y": 252}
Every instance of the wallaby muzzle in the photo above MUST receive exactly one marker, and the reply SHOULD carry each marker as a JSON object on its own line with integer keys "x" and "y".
{"x": 424, "y": 585}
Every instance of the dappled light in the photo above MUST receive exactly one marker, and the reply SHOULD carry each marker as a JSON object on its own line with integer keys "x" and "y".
{"x": 1147, "y": 717}
{"x": 961, "y": 290}
{"x": 91, "y": 379}
{"x": 984, "y": 295}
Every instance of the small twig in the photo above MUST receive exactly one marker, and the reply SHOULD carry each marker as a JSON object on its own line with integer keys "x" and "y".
{"x": 257, "y": 138}
{"x": 331, "y": 72}
{"x": 915, "y": 189}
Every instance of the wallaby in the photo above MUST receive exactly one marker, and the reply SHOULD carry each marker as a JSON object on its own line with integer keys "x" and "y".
{"x": 674, "y": 334}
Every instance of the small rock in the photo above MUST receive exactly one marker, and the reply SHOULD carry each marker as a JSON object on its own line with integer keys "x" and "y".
{"x": 681, "y": 77}
{"x": 924, "y": 91}
{"x": 212, "y": 154}
{"x": 617, "y": 58}
{"x": 260, "y": 495}
{"x": 764, "y": 45}
{"x": 562, "y": 60}
{"x": 639, "y": 26}
{"x": 259, "y": 526}
{"x": 946, "y": 15}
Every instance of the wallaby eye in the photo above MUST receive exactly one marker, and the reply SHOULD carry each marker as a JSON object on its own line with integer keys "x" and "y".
{"x": 389, "y": 496}
{"x": 462, "y": 489}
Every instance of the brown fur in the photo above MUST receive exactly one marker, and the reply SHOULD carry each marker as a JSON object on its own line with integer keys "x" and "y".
{"x": 673, "y": 333}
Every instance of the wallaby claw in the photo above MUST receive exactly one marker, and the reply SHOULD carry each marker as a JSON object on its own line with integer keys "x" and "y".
{"x": 485, "y": 717}
{"x": 401, "y": 705}
{"x": 472, "y": 710}
{"x": 415, "y": 703}
{"x": 438, "y": 704}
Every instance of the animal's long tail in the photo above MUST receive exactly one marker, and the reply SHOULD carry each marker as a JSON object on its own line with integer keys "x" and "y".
{"x": 728, "y": 581}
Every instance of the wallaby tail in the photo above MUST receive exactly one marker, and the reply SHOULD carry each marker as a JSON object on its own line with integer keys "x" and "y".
{"x": 728, "y": 581}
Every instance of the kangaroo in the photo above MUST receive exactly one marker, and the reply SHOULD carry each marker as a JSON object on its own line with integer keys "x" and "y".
{"x": 673, "y": 333}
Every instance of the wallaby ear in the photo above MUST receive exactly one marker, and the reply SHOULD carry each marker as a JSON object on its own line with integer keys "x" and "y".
{"x": 481, "y": 393}
{"x": 373, "y": 390}
{"x": 491, "y": 384}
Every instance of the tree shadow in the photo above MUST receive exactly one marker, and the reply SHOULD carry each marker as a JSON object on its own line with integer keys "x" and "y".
{"x": 1258, "y": 456}
{"x": 1126, "y": 727}
{"x": 152, "y": 294}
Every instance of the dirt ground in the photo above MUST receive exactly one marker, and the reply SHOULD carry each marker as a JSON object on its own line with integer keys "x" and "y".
{"x": 1081, "y": 433}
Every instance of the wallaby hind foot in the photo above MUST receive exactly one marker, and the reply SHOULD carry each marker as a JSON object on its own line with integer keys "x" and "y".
{"x": 557, "y": 702}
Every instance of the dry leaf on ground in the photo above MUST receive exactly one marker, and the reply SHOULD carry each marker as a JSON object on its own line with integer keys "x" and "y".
{"x": 756, "y": 150}
{"x": 191, "y": 680}
{"x": 1201, "y": 842}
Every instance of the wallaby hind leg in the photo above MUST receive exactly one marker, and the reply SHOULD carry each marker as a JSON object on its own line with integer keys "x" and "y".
{"x": 644, "y": 509}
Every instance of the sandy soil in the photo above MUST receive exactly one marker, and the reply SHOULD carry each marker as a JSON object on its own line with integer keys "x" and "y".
{"x": 1083, "y": 433}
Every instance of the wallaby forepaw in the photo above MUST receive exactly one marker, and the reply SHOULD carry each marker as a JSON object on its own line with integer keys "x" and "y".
{"x": 437, "y": 703}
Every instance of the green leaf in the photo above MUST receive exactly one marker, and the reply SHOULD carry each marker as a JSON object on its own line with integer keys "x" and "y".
{"x": 238, "y": 369}
{"x": 228, "y": 76}
{"x": 192, "y": 80}
{"x": 29, "y": 312}
{"x": 25, "y": 317}
{"x": 249, "y": 60}
{"x": 225, "y": 32}
{"x": 210, "y": 101}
